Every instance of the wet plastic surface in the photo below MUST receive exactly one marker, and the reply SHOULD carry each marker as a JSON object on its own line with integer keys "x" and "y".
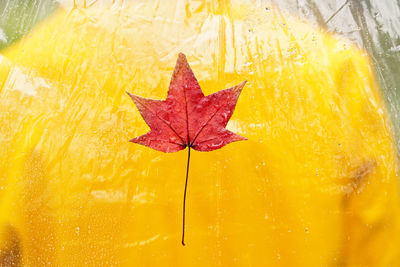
{"x": 371, "y": 24}
{"x": 316, "y": 183}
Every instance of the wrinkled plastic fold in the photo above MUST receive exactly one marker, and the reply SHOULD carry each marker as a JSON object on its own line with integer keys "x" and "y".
{"x": 315, "y": 184}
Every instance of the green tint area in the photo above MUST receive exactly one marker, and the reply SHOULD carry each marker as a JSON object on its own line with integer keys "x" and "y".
{"x": 17, "y": 17}
{"x": 374, "y": 26}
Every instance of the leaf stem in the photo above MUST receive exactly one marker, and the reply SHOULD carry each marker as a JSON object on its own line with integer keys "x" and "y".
{"x": 184, "y": 198}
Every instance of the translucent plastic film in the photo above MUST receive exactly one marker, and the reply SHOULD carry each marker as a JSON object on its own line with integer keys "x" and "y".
{"x": 314, "y": 184}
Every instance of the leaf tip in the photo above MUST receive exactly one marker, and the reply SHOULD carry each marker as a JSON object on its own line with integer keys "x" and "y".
{"x": 242, "y": 84}
{"x": 134, "y": 140}
{"x": 133, "y": 97}
{"x": 182, "y": 61}
{"x": 238, "y": 88}
{"x": 128, "y": 94}
{"x": 181, "y": 56}
{"x": 242, "y": 138}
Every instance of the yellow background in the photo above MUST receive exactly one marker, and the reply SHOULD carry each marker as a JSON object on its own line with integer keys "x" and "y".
{"x": 316, "y": 184}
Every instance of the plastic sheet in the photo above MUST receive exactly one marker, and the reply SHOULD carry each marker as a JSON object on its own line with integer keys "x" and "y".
{"x": 315, "y": 184}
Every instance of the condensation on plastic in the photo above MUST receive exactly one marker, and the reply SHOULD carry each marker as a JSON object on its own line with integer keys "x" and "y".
{"x": 371, "y": 24}
{"x": 316, "y": 183}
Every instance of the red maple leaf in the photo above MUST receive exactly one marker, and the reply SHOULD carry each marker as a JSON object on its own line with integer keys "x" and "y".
{"x": 187, "y": 118}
